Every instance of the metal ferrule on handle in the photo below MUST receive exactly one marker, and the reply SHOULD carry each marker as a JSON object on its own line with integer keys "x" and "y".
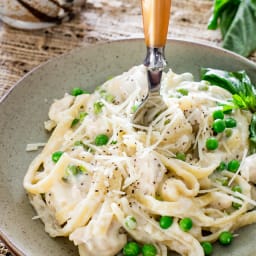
{"x": 156, "y": 14}
{"x": 155, "y": 63}
{"x": 155, "y": 58}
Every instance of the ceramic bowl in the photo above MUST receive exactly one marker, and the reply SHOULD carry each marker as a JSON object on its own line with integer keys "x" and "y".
{"x": 25, "y": 108}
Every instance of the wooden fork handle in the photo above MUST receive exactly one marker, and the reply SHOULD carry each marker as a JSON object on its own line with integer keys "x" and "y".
{"x": 156, "y": 15}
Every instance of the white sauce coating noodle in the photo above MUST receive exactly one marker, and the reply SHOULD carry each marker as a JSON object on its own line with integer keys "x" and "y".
{"x": 90, "y": 191}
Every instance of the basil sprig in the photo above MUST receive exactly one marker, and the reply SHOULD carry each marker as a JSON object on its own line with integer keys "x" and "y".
{"x": 237, "y": 22}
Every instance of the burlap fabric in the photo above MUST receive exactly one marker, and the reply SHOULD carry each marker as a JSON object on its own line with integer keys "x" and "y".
{"x": 101, "y": 20}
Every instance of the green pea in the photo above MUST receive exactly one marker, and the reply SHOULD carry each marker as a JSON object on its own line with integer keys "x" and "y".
{"x": 73, "y": 170}
{"x": 237, "y": 188}
{"x": 228, "y": 132}
{"x": 131, "y": 249}
{"x": 134, "y": 108}
{"x": 149, "y": 250}
{"x": 219, "y": 125}
{"x": 78, "y": 143}
{"x": 101, "y": 139}
{"x": 181, "y": 156}
{"x": 212, "y": 143}
{"x": 186, "y": 224}
{"x": 97, "y": 107}
{"x": 207, "y": 247}
{"x": 227, "y": 109}
{"x": 56, "y": 156}
{"x": 222, "y": 166}
{"x": 203, "y": 87}
{"x": 230, "y": 122}
{"x": 82, "y": 115}
{"x": 218, "y": 114}
{"x": 105, "y": 95}
{"x": 75, "y": 122}
{"x": 224, "y": 181}
{"x": 130, "y": 222}
{"x": 225, "y": 238}
{"x": 236, "y": 205}
{"x": 167, "y": 121}
{"x": 183, "y": 91}
{"x": 233, "y": 165}
{"x": 77, "y": 91}
{"x": 77, "y": 169}
{"x": 165, "y": 222}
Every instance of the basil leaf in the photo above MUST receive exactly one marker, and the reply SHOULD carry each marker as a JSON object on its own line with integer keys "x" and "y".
{"x": 238, "y": 101}
{"x": 226, "y": 17}
{"x": 241, "y": 36}
{"x": 218, "y": 8}
{"x": 237, "y": 83}
{"x": 221, "y": 78}
{"x": 237, "y": 22}
{"x": 252, "y": 130}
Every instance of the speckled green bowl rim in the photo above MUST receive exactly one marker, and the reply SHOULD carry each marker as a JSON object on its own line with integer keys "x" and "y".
{"x": 171, "y": 39}
{"x": 7, "y": 240}
{"x": 15, "y": 251}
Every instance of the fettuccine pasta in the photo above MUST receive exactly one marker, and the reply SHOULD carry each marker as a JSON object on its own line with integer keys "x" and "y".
{"x": 103, "y": 181}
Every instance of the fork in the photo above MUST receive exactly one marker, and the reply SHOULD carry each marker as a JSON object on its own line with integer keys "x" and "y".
{"x": 156, "y": 14}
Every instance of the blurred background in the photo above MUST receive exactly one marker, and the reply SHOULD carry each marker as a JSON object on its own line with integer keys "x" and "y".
{"x": 99, "y": 21}
{"x": 82, "y": 23}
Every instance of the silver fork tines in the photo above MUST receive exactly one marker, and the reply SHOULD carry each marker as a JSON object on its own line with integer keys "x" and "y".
{"x": 153, "y": 104}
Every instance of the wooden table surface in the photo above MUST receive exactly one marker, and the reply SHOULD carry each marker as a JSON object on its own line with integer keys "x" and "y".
{"x": 101, "y": 20}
